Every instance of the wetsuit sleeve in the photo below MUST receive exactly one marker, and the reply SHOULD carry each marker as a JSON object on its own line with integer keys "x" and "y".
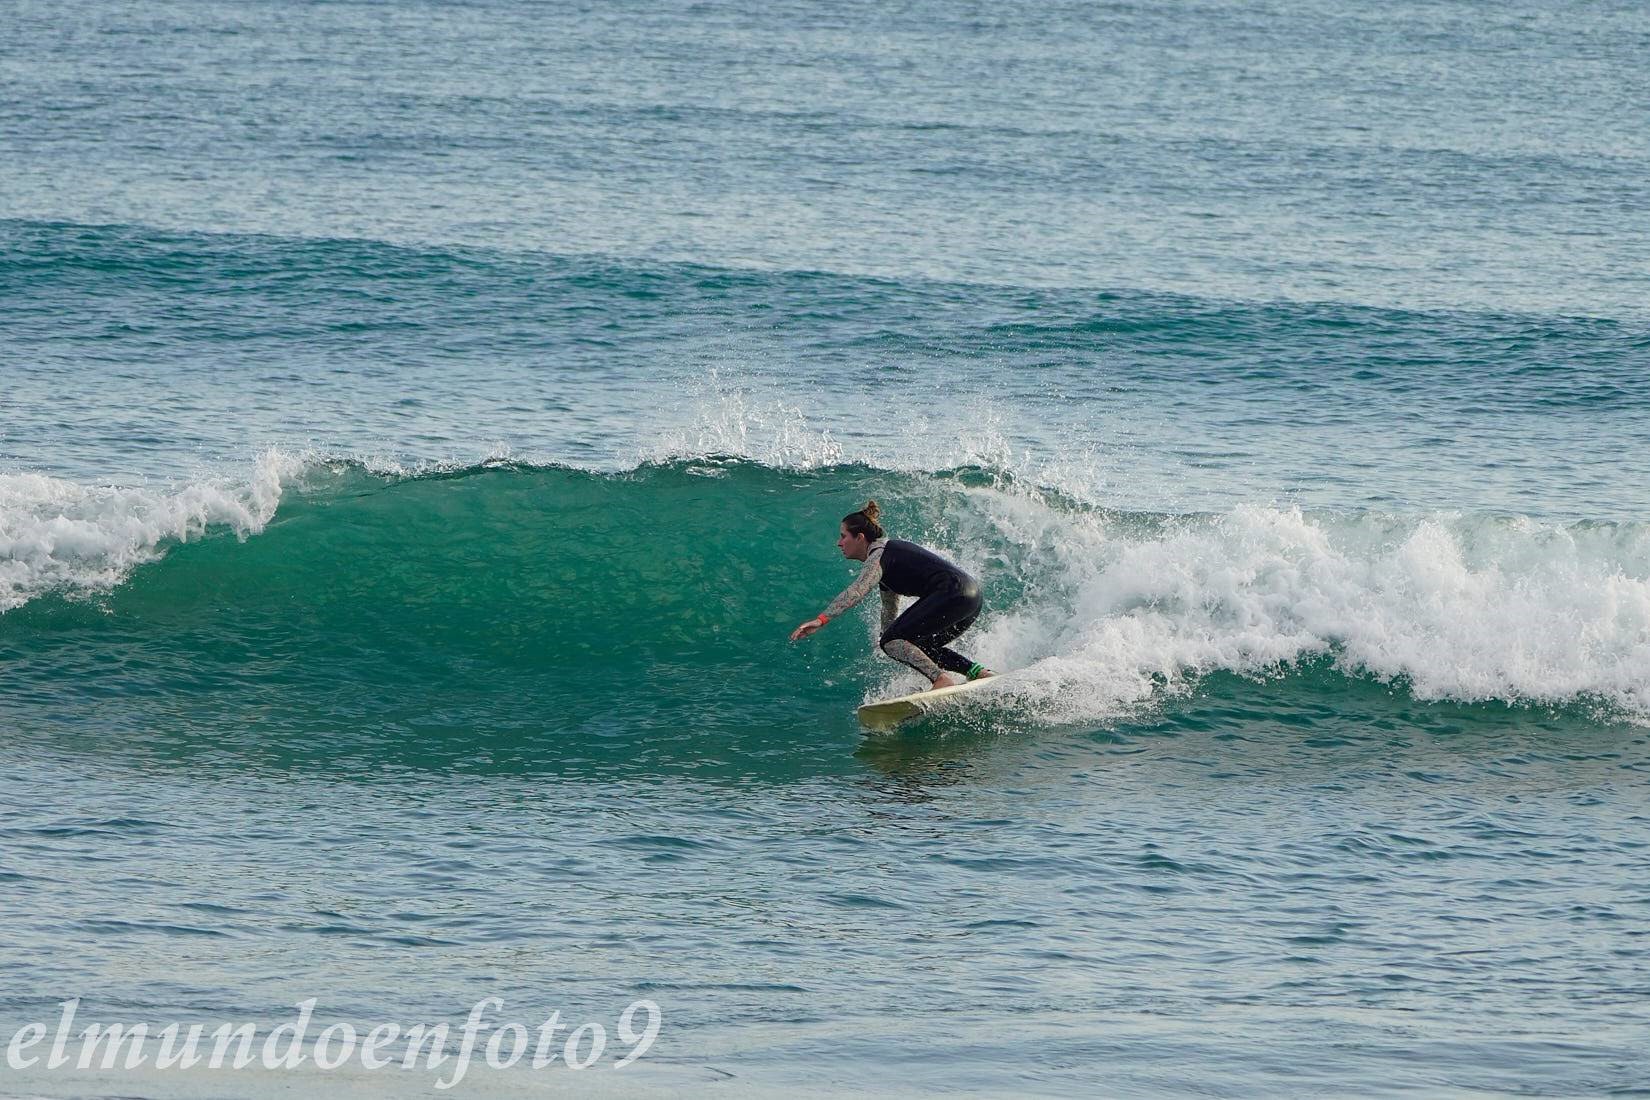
{"x": 890, "y": 608}
{"x": 867, "y": 580}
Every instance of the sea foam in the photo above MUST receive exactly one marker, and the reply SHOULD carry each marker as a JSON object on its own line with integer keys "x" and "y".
{"x": 65, "y": 536}
{"x": 1120, "y": 608}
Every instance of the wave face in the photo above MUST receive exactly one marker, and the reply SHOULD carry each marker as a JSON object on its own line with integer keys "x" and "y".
{"x": 504, "y": 605}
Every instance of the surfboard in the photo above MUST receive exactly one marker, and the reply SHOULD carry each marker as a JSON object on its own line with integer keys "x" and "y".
{"x": 885, "y": 714}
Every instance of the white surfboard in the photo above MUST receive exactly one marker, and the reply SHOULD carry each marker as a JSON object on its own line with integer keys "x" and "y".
{"x": 885, "y": 714}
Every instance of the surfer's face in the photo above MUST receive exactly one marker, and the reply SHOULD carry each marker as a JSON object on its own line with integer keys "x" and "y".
{"x": 852, "y": 546}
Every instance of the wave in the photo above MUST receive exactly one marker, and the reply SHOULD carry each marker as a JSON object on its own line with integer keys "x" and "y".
{"x": 119, "y": 257}
{"x": 658, "y": 597}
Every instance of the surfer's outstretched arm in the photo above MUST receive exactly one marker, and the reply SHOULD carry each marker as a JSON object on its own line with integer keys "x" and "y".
{"x": 868, "y": 579}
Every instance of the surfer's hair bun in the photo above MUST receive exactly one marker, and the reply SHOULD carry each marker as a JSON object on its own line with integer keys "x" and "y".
{"x": 864, "y": 521}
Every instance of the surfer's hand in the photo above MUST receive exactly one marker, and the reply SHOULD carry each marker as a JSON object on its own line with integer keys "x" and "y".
{"x": 806, "y": 629}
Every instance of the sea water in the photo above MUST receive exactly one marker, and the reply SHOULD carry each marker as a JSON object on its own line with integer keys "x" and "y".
{"x": 421, "y": 425}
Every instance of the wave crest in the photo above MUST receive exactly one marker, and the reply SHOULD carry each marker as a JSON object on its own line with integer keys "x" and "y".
{"x": 60, "y": 535}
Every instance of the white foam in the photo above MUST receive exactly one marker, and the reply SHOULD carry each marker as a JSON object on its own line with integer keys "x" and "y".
{"x": 729, "y": 421}
{"x": 1119, "y": 609}
{"x": 61, "y": 535}
{"x": 768, "y": 425}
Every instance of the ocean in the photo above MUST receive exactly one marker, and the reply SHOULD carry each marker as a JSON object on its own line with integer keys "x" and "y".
{"x": 422, "y": 423}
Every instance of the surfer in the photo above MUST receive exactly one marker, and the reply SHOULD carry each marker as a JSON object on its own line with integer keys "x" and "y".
{"x": 948, "y": 600}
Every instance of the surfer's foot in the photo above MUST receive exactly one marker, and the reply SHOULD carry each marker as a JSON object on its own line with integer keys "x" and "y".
{"x": 948, "y": 680}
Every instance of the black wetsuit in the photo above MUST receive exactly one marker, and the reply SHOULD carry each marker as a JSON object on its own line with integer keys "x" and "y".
{"x": 948, "y": 600}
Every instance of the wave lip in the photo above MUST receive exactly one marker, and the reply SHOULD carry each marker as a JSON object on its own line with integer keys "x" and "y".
{"x": 58, "y": 535}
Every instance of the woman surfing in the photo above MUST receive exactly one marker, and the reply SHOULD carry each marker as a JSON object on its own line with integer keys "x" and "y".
{"x": 948, "y": 600}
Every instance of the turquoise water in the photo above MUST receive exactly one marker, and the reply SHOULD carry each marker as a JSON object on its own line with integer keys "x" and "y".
{"x": 423, "y": 425}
